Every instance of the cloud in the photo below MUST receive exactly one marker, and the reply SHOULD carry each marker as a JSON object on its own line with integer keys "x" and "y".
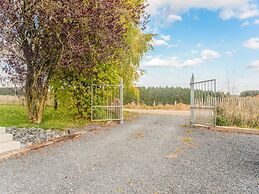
{"x": 241, "y": 9}
{"x": 159, "y": 42}
{"x": 256, "y": 21}
{"x": 174, "y": 18}
{"x": 163, "y": 41}
{"x": 158, "y": 61}
{"x": 252, "y": 43}
{"x": 248, "y": 11}
{"x": 209, "y": 54}
{"x": 254, "y": 65}
{"x": 165, "y": 37}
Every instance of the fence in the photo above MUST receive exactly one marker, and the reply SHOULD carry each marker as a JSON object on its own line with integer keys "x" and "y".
{"x": 238, "y": 111}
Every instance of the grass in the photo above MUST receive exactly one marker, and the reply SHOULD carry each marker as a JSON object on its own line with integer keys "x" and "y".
{"x": 15, "y": 115}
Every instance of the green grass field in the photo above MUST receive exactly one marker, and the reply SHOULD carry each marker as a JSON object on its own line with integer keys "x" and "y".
{"x": 14, "y": 115}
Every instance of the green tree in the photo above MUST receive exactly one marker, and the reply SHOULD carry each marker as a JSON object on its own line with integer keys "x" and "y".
{"x": 73, "y": 87}
{"x": 40, "y": 39}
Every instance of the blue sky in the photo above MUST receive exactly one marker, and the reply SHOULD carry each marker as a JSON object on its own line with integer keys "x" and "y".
{"x": 212, "y": 39}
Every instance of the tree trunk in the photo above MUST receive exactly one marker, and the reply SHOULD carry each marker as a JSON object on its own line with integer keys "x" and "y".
{"x": 36, "y": 97}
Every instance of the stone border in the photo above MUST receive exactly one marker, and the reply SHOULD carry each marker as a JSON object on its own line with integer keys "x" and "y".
{"x": 230, "y": 129}
{"x": 25, "y": 150}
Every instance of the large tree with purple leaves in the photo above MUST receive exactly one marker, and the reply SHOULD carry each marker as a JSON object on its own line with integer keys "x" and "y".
{"x": 40, "y": 37}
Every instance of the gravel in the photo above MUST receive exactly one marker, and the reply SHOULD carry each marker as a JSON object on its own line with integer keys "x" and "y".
{"x": 30, "y": 136}
{"x": 154, "y": 154}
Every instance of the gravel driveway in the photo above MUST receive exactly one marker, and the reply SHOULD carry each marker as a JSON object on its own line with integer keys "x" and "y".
{"x": 153, "y": 154}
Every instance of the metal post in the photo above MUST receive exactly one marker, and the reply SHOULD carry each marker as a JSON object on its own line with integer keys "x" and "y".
{"x": 121, "y": 101}
{"x": 91, "y": 102}
{"x": 215, "y": 110}
{"x": 192, "y": 101}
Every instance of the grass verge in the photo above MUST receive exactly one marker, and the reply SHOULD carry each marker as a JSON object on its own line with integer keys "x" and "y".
{"x": 15, "y": 115}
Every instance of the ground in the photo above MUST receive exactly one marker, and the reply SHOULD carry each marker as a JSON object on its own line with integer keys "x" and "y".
{"x": 153, "y": 154}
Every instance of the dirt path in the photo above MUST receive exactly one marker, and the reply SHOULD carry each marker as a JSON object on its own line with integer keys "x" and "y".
{"x": 154, "y": 154}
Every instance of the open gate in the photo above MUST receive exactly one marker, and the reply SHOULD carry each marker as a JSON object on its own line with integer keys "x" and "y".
{"x": 203, "y": 102}
{"x": 107, "y": 102}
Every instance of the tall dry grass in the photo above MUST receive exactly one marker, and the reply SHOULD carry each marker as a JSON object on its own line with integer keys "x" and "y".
{"x": 238, "y": 111}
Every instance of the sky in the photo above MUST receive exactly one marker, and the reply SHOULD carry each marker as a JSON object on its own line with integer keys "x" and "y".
{"x": 212, "y": 39}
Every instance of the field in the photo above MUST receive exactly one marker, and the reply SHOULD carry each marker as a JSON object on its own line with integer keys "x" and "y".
{"x": 18, "y": 100}
{"x": 15, "y": 115}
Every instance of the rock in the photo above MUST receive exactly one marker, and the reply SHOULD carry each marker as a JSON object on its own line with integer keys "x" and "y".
{"x": 30, "y": 136}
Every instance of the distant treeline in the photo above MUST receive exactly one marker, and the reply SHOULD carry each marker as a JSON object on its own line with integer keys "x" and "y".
{"x": 149, "y": 95}
{"x": 169, "y": 95}
{"x": 166, "y": 95}
{"x": 249, "y": 93}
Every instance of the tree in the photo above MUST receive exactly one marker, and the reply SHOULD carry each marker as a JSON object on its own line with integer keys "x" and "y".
{"x": 75, "y": 85}
{"x": 249, "y": 93}
{"x": 41, "y": 38}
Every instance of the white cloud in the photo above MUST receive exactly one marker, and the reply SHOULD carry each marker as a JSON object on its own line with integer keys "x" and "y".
{"x": 209, "y": 54}
{"x": 248, "y": 11}
{"x": 159, "y": 42}
{"x": 192, "y": 62}
{"x": 255, "y": 65}
{"x": 158, "y": 61}
{"x": 256, "y": 21}
{"x": 163, "y": 41}
{"x": 252, "y": 43}
{"x": 166, "y": 37}
{"x": 227, "y": 14}
{"x": 241, "y": 9}
{"x": 174, "y": 18}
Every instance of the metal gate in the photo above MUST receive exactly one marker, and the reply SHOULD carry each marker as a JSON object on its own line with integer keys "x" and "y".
{"x": 107, "y": 102}
{"x": 203, "y": 102}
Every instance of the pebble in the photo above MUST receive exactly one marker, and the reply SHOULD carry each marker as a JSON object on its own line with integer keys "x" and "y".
{"x": 30, "y": 136}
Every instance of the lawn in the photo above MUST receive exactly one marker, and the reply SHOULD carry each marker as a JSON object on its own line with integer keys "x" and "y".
{"x": 15, "y": 115}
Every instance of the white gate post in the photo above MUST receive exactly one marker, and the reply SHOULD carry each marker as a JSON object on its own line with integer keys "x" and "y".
{"x": 192, "y": 101}
{"x": 121, "y": 101}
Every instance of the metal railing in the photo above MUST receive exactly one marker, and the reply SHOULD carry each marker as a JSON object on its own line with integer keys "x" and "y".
{"x": 107, "y": 102}
{"x": 203, "y": 102}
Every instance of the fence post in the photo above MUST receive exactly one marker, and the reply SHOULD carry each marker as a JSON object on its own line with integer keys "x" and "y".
{"x": 92, "y": 102}
{"x": 121, "y": 101}
{"x": 215, "y": 109}
{"x": 192, "y": 101}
